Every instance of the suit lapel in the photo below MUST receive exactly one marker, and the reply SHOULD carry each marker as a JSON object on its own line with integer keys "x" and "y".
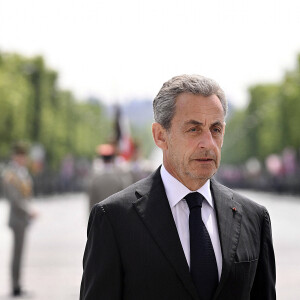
{"x": 229, "y": 216}
{"x": 153, "y": 207}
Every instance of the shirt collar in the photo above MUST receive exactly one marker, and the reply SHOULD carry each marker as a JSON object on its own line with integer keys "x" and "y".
{"x": 176, "y": 191}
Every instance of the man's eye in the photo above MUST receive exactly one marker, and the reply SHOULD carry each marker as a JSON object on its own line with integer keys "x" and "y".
{"x": 217, "y": 130}
{"x": 193, "y": 129}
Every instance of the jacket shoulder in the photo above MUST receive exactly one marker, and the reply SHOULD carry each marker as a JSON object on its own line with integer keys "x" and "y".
{"x": 125, "y": 197}
{"x": 249, "y": 205}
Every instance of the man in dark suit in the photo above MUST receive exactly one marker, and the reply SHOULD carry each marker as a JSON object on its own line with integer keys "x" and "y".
{"x": 146, "y": 242}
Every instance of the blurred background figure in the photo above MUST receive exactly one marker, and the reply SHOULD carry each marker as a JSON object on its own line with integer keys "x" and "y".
{"x": 139, "y": 167}
{"x": 67, "y": 173}
{"x": 17, "y": 185}
{"x": 107, "y": 177}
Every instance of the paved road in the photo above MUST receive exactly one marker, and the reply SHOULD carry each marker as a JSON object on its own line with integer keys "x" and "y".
{"x": 54, "y": 249}
{"x": 56, "y": 241}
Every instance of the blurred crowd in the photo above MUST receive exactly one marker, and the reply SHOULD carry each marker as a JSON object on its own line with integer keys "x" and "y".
{"x": 278, "y": 173}
{"x": 75, "y": 174}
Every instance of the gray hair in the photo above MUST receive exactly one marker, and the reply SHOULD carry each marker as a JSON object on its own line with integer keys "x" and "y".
{"x": 165, "y": 101}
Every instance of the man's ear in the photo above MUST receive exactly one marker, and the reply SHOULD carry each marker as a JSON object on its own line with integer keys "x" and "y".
{"x": 159, "y": 135}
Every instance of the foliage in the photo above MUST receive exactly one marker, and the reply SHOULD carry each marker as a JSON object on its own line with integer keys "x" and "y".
{"x": 33, "y": 108}
{"x": 269, "y": 124}
{"x": 143, "y": 137}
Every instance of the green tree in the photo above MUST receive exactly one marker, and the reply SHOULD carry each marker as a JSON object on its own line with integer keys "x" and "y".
{"x": 235, "y": 148}
{"x": 290, "y": 107}
{"x": 15, "y": 95}
{"x": 32, "y": 107}
{"x": 263, "y": 113}
{"x": 269, "y": 124}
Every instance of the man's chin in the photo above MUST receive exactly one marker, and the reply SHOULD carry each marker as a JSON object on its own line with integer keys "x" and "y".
{"x": 201, "y": 176}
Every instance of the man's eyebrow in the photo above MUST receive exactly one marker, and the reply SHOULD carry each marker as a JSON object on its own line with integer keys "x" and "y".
{"x": 218, "y": 123}
{"x": 193, "y": 122}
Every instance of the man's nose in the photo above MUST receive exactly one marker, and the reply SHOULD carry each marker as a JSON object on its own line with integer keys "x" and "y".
{"x": 206, "y": 139}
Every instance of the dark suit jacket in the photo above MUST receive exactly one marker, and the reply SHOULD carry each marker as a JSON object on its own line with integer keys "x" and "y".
{"x": 133, "y": 249}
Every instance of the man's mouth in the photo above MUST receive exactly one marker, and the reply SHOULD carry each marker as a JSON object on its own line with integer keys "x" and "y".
{"x": 206, "y": 159}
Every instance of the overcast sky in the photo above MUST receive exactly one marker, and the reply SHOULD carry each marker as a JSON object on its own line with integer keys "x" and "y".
{"x": 118, "y": 49}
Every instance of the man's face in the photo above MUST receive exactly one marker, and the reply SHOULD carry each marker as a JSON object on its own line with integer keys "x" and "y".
{"x": 192, "y": 146}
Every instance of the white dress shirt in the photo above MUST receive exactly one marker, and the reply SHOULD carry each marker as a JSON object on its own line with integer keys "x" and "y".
{"x": 176, "y": 192}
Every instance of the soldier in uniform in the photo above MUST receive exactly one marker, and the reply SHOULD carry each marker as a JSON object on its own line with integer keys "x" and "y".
{"x": 18, "y": 191}
{"x": 108, "y": 178}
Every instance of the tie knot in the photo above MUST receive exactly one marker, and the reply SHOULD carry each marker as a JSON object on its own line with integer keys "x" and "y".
{"x": 194, "y": 199}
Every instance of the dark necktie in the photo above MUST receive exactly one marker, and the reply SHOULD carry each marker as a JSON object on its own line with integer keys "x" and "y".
{"x": 203, "y": 266}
